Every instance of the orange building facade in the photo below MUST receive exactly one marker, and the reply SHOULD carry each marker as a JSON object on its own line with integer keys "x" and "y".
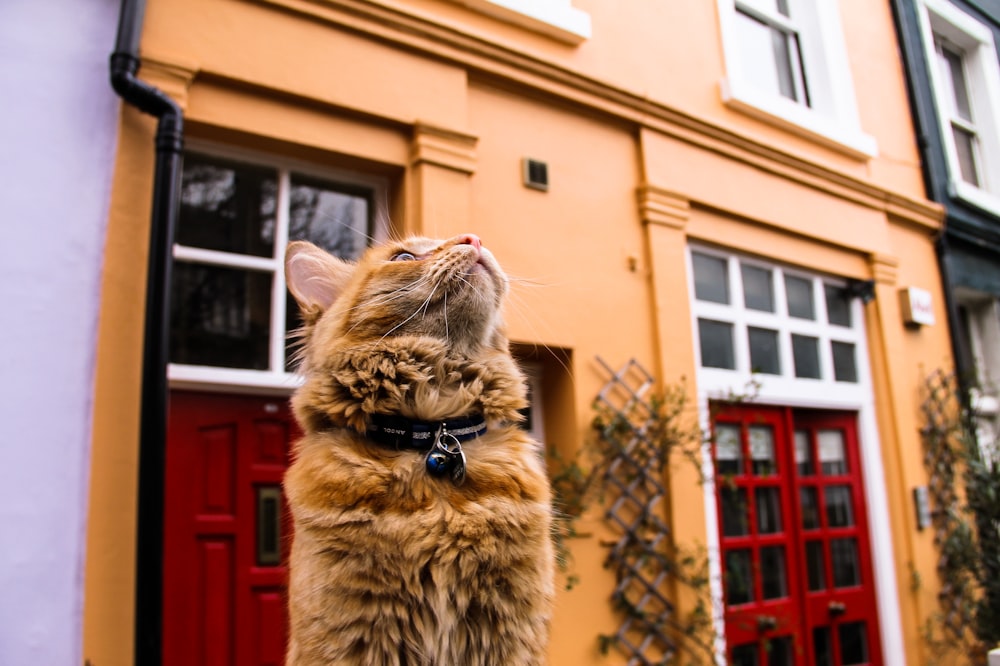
{"x": 724, "y": 192}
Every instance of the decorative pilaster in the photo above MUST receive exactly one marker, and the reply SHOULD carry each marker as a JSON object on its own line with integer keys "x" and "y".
{"x": 885, "y": 268}
{"x": 663, "y": 207}
{"x": 441, "y": 163}
{"x": 443, "y": 148}
{"x": 171, "y": 75}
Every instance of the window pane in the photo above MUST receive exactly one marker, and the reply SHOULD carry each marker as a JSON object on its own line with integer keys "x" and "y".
{"x": 762, "y": 451}
{"x": 965, "y": 149}
{"x": 799, "y": 295}
{"x": 728, "y": 452}
{"x": 734, "y": 512}
{"x": 335, "y": 217}
{"x": 805, "y": 352}
{"x": 716, "y": 339}
{"x": 779, "y": 651}
{"x": 227, "y": 206}
{"x": 764, "y": 351}
{"x": 953, "y": 70}
{"x": 816, "y": 566}
{"x": 757, "y": 291}
{"x": 845, "y": 368}
{"x": 803, "y": 453}
{"x": 220, "y": 316}
{"x": 839, "y": 509}
{"x": 853, "y": 643}
{"x": 739, "y": 577}
{"x": 768, "y": 510}
{"x": 770, "y": 56}
{"x": 838, "y": 305}
{"x": 823, "y": 650}
{"x": 832, "y": 454}
{"x": 772, "y": 571}
{"x": 810, "y": 508}
{"x": 711, "y": 278}
{"x": 745, "y": 655}
{"x": 844, "y": 558}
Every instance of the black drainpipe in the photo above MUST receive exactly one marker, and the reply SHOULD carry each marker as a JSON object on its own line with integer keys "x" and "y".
{"x": 153, "y": 410}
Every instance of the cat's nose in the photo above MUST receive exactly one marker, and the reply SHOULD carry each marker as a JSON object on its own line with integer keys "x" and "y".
{"x": 470, "y": 239}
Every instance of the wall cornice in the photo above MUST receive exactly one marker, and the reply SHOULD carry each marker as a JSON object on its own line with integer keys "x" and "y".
{"x": 490, "y": 60}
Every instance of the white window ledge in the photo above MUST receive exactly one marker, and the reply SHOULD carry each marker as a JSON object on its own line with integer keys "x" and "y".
{"x": 980, "y": 198}
{"x": 197, "y": 377}
{"x": 555, "y": 18}
{"x": 798, "y": 119}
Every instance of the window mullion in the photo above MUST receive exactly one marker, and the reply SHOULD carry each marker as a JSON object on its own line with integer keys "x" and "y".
{"x": 279, "y": 290}
{"x": 227, "y": 259}
{"x": 741, "y": 340}
{"x": 773, "y": 20}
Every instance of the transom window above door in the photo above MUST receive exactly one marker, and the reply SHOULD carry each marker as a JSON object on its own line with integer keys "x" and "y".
{"x": 783, "y": 326}
{"x": 230, "y": 311}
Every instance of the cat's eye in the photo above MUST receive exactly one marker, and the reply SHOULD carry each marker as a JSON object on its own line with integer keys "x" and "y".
{"x": 403, "y": 256}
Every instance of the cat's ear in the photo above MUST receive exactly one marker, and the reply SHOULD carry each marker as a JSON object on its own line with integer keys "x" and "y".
{"x": 315, "y": 277}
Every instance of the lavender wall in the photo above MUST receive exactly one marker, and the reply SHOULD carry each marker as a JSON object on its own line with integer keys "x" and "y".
{"x": 57, "y": 137}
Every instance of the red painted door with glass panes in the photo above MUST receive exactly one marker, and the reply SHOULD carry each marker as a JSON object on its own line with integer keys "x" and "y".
{"x": 798, "y": 586}
{"x": 226, "y": 530}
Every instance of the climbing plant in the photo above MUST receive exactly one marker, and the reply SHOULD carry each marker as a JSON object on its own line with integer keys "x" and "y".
{"x": 964, "y": 488}
{"x": 637, "y": 435}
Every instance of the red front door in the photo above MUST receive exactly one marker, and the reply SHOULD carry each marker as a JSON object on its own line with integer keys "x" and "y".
{"x": 798, "y": 584}
{"x": 225, "y": 541}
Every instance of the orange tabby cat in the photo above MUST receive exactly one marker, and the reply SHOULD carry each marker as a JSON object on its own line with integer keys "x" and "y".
{"x": 422, "y": 515}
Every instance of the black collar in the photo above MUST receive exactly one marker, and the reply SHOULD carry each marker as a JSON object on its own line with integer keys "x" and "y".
{"x": 401, "y": 433}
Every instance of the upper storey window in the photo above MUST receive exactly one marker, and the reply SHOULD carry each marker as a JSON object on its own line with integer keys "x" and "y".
{"x": 965, "y": 78}
{"x": 556, "y": 18}
{"x": 786, "y": 64}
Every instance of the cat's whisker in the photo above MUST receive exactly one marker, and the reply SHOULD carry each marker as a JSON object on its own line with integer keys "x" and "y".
{"x": 388, "y": 298}
{"x": 447, "y": 337}
{"x": 422, "y": 306}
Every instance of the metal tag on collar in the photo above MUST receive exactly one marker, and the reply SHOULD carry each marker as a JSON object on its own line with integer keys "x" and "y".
{"x": 446, "y": 457}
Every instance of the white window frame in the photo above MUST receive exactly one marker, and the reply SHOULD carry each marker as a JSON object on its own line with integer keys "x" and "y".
{"x": 983, "y": 323}
{"x": 983, "y": 77}
{"x": 533, "y": 377}
{"x": 832, "y": 116}
{"x": 714, "y": 384}
{"x": 555, "y": 18}
{"x": 276, "y": 378}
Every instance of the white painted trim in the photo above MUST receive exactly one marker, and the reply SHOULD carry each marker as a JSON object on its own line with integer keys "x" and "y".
{"x": 833, "y": 118}
{"x": 555, "y": 18}
{"x": 797, "y": 119}
{"x": 533, "y": 376}
{"x": 279, "y": 290}
{"x": 718, "y": 384}
{"x": 205, "y": 377}
{"x": 197, "y": 255}
{"x": 983, "y": 78}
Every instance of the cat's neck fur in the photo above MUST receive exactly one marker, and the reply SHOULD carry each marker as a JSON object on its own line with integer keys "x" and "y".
{"x": 417, "y": 377}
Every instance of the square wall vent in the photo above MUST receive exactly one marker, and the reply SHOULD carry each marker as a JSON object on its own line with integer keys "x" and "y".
{"x": 535, "y": 173}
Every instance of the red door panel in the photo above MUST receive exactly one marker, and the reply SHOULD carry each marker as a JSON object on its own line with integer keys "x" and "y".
{"x": 798, "y": 586}
{"x": 224, "y": 545}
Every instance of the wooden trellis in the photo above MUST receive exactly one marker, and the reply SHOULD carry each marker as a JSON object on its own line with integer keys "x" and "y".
{"x": 639, "y": 556}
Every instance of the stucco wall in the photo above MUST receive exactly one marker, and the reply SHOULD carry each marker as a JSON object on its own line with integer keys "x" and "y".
{"x": 58, "y": 138}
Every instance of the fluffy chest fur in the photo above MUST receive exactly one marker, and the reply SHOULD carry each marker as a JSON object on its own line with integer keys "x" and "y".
{"x": 389, "y": 565}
